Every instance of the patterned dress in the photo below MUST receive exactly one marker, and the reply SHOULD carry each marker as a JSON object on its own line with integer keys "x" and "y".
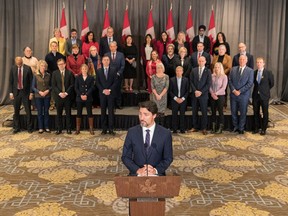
{"x": 159, "y": 83}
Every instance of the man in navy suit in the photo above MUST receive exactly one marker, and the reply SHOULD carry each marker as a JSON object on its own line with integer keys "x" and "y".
{"x": 105, "y": 41}
{"x": 117, "y": 62}
{"x": 240, "y": 82}
{"x": 106, "y": 83}
{"x": 263, "y": 82}
{"x": 178, "y": 91}
{"x": 200, "y": 81}
{"x": 242, "y": 51}
{"x": 148, "y": 147}
{"x": 200, "y": 52}
{"x": 21, "y": 92}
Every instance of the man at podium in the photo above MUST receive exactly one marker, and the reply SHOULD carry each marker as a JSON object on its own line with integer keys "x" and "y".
{"x": 148, "y": 147}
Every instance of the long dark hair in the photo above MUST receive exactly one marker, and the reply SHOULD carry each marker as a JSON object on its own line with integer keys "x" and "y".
{"x": 86, "y": 37}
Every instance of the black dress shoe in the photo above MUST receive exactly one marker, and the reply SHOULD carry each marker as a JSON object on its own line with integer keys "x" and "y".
{"x": 30, "y": 131}
{"x": 241, "y": 132}
{"x": 182, "y": 131}
{"x": 69, "y": 131}
{"x": 174, "y": 132}
{"x": 58, "y": 132}
{"x": 103, "y": 132}
{"x": 119, "y": 107}
{"x": 235, "y": 130}
{"x": 255, "y": 131}
{"x": 111, "y": 132}
{"x": 263, "y": 132}
{"x": 16, "y": 131}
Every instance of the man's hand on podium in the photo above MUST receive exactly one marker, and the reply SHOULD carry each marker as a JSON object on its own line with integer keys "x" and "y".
{"x": 146, "y": 170}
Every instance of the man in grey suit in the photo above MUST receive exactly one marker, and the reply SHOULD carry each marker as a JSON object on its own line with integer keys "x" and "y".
{"x": 240, "y": 83}
{"x": 71, "y": 41}
{"x": 21, "y": 92}
{"x": 147, "y": 148}
{"x": 263, "y": 82}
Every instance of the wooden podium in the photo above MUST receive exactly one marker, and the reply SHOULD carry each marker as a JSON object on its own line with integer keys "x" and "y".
{"x": 147, "y": 194}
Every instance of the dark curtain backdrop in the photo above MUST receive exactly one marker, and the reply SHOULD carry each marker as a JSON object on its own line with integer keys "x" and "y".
{"x": 261, "y": 24}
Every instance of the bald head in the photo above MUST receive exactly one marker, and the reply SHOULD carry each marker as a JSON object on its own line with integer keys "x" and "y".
{"x": 18, "y": 61}
{"x": 242, "y": 47}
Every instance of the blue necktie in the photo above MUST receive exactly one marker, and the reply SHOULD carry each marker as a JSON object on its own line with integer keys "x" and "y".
{"x": 106, "y": 73}
{"x": 147, "y": 140}
{"x": 259, "y": 76}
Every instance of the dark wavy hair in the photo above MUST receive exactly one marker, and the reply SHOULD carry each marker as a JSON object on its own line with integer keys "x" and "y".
{"x": 151, "y": 106}
{"x": 86, "y": 37}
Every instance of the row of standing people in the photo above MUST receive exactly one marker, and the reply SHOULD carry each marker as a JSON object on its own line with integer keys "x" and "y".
{"x": 203, "y": 82}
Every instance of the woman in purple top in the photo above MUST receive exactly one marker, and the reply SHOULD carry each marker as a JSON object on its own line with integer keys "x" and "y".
{"x": 217, "y": 91}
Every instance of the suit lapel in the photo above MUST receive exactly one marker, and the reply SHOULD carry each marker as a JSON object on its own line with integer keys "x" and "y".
{"x": 141, "y": 140}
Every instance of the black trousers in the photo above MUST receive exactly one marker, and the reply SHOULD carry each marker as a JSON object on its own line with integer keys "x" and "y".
{"x": 264, "y": 104}
{"x": 22, "y": 98}
{"x": 60, "y": 105}
{"x": 203, "y": 103}
{"x": 217, "y": 105}
{"x": 88, "y": 105}
{"x": 107, "y": 102}
{"x": 175, "y": 108}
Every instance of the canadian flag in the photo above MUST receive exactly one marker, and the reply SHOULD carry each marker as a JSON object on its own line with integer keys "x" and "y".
{"x": 150, "y": 25}
{"x": 189, "y": 26}
{"x": 85, "y": 24}
{"x": 170, "y": 25}
{"x": 212, "y": 29}
{"x": 106, "y": 22}
{"x": 63, "y": 24}
{"x": 126, "y": 30}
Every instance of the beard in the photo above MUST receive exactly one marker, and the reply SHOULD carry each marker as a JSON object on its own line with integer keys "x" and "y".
{"x": 143, "y": 124}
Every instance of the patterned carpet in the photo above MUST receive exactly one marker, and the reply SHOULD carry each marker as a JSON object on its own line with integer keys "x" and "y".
{"x": 227, "y": 174}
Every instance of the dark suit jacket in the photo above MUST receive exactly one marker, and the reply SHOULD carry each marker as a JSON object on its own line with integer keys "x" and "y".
{"x": 207, "y": 43}
{"x": 250, "y": 62}
{"x": 52, "y": 61}
{"x": 27, "y": 80}
{"x": 266, "y": 83}
{"x": 186, "y": 45}
{"x": 170, "y": 64}
{"x": 68, "y": 46}
{"x": 110, "y": 83}
{"x": 160, "y": 153}
{"x": 194, "y": 59}
{"x": 173, "y": 88}
{"x": 84, "y": 87}
{"x": 186, "y": 66}
{"x": 118, "y": 63}
{"x": 203, "y": 84}
{"x": 57, "y": 83}
{"x": 104, "y": 46}
{"x": 243, "y": 82}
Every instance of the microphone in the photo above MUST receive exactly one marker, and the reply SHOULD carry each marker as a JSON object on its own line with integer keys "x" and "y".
{"x": 146, "y": 146}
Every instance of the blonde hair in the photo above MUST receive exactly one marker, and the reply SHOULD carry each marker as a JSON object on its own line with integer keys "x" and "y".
{"x": 41, "y": 62}
{"x": 181, "y": 49}
{"x": 160, "y": 65}
{"x": 184, "y": 38}
{"x": 221, "y": 69}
